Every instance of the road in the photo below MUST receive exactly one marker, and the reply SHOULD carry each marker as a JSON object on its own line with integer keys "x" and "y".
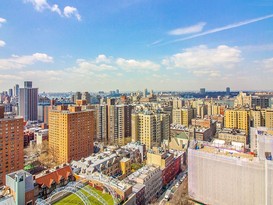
{"x": 172, "y": 187}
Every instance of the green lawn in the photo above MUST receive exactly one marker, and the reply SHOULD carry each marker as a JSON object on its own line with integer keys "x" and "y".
{"x": 74, "y": 199}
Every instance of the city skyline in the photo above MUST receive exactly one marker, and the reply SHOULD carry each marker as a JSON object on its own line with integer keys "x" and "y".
{"x": 182, "y": 45}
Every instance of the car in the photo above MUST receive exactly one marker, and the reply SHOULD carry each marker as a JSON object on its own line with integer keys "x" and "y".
{"x": 177, "y": 184}
{"x": 168, "y": 194}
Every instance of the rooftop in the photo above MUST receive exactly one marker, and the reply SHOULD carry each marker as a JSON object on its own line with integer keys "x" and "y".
{"x": 226, "y": 152}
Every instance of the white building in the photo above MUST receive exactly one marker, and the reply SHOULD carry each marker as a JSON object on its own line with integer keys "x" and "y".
{"x": 261, "y": 139}
{"x": 220, "y": 176}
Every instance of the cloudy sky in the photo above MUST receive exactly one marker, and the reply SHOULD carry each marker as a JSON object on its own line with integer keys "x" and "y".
{"x": 77, "y": 45}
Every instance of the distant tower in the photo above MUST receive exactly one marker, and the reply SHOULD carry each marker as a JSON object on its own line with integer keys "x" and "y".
{"x": 228, "y": 91}
{"x": 10, "y": 92}
{"x": 202, "y": 91}
{"x": 16, "y": 90}
{"x": 145, "y": 92}
{"x": 28, "y": 102}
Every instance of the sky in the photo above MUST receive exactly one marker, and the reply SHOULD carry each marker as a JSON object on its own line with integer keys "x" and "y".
{"x": 179, "y": 45}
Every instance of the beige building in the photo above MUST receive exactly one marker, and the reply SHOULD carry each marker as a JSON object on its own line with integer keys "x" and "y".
{"x": 237, "y": 119}
{"x": 269, "y": 118}
{"x": 182, "y": 116}
{"x": 150, "y": 128}
{"x": 242, "y": 100}
{"x": 257, "y": 118}
{"x": 71, "y": 133}
{"x": 232, "y": 135}
{"x": 119, "y": 124}
{"x": 11, "y": 145}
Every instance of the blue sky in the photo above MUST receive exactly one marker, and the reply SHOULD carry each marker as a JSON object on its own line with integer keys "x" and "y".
{"x": 77, "y": 45}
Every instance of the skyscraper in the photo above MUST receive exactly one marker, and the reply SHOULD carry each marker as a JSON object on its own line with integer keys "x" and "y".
{"x": 228, "y": 91}
{"x": 10, "y": 92}
{"x": 16, "y": 90}
{"x": 102, "y": 123}
{"x": 28, "y": 102}
{"x": 119, "y": 124}
{"x": 11, "y": 145}
{"x": 86, "y": 96}
{"x": 71, "y": 133}
{"x": 202, "y": 91}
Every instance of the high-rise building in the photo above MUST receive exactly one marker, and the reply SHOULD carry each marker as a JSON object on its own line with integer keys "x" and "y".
{"x": 71, "y": 133}
{"x": 178, "y": 103}
{"x": 28, "y": 102}
{"x": 182, "y": 116}
{"x": 150, "y": 128}
{"x": 260, "y": 101}
{"x": 269, "y": 118}
{"x": 86, "y": 96}
{"x": 228, "y": 91}
{"x": 243, "y": 100}
{"x": 257, "y": 118}
{"x": 145, "y": 93}
{"x": 237, "y": 119}
{"x": 16, "y": 90}
{"x": 119, "y": 124}
{"x": 76, "y": 96}
{"x": 11, "y": 145}
{"x": 102, "y": 123}
{"x": 203, "y": 91}
{"x": 10, "y": 92}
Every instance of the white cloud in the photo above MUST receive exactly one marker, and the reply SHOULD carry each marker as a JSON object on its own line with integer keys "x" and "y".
{"x": 2, "y": 43}
{"x": 71, "y": 11}
{"x": 16, "y": 62}
{"x": 134, "y": 65}
{"x": 2, "y": 20}
{"x": 202, "y": 60}
{"x": 41, "y": 5}
{"x": 55, "y": 8}
{"x": 103, "y": 59}
{"x": 268, "y": 64}
{"x": 85, "y": 67}
{"x": 188, "y": 30}
{"x": 223, "y": 28}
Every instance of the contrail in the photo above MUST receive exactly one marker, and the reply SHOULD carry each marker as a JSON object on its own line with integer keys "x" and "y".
{"x": 223, "y": 28}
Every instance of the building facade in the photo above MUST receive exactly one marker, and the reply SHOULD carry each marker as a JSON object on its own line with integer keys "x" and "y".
{"x": 28, "y": 102}
{"x": 11, "y": 146}
{"x": 150, "y": 128}
{"x": 71, "y": 133}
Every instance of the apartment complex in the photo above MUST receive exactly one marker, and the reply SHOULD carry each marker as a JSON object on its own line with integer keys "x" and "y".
{"x": 28, "y": 102}
{"x": 11, "y": 145}
{"x": 71, "y": 132}
{"x": 183, "y": 116}
{"x": 150, "y": 128}
{"x": 237, "y": 119}
{"x": 119, "y": 124}
{"x": 102, "y": 123}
